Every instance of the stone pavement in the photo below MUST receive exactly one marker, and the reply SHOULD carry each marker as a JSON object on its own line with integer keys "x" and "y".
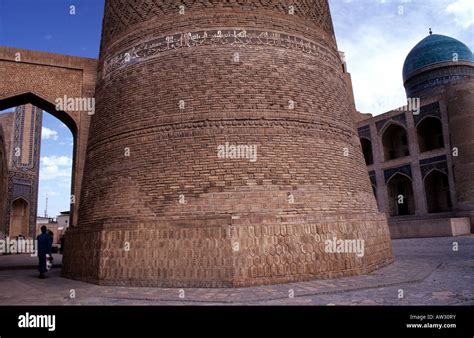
{"x": 25, "y": 261}
{"x": 426, "y": 271}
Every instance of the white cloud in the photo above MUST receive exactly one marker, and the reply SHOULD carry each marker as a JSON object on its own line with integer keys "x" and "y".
{"x": 54, "y": 172}
{"x": 50, "y": 192}
{"x": 54, "y": 167}
{"x": 463, "y": 12}
{"x": 376, "y": 77}
{"x": 49, "y": 134}
{"x": 56, "y": 160}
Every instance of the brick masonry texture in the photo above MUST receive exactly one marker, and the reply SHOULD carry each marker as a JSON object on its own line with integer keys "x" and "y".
{"x": 154, "y": 139}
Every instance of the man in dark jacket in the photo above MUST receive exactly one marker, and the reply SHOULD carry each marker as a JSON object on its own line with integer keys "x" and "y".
{"x": 45, "y": 242}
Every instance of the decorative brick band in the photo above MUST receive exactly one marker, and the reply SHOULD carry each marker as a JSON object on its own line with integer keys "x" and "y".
{"x": 202, "y": 127}
{"x": 238, "y": 38}
{"x": 210, "y": 257}
{"x": 418, "y": 84}
{"x": 122, "y": 15}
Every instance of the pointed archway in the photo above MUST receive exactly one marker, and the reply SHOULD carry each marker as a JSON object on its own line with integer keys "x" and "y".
{"x": 400, "y": 195}
{"x": 395, "y": 142}
{"x": 366, "y": 145}
{"x": 19, "y": 218}
{"x": 430, "y": 134}
{"x": 30, "y": 99}
{"x": 438, "y": 198}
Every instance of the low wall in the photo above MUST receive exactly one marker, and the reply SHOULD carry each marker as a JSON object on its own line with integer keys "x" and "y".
{"x": 429, "y": 227}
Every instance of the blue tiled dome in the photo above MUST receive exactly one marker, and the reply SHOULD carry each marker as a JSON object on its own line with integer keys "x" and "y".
{"x": 434, "y": 49}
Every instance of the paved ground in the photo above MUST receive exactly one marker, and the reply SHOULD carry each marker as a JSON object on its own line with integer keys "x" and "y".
{"x": 24, "y": 261}
{"x": 426, "y": 271}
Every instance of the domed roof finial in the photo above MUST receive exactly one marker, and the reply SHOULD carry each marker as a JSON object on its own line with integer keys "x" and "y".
{"x": 430, "y": 31}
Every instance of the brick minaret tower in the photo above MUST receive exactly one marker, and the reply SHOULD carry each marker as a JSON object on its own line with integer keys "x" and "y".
{"x": 223, "y": 151}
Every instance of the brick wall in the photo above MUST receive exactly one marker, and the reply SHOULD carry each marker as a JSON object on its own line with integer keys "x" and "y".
{"x": 170, "y": 91}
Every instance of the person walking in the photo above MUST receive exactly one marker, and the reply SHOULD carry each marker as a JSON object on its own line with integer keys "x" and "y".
{"x": 45, "y": 242}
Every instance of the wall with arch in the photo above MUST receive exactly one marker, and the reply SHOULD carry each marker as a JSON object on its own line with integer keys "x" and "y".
{"x": 414, "y": 159}
{"x": 40, "y": 79}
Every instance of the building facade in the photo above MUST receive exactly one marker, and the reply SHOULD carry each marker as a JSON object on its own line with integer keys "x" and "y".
{"x": 64, "y": 219}
{"x": 420, "y": 157}
{"x": 20, "y": 157}
{"x": 57, "y": 225}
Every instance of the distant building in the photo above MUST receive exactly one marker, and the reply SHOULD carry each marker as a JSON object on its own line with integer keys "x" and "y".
{"x": 50, "y": 223}
{"x": 57, "y": 225}
{"x": 63, "y": 219}
{"x": 420, "y": 157}
{"x": 41, "y": 220}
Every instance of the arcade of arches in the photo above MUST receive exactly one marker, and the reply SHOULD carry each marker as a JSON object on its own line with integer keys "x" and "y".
{"x": 401, "y": 199}
{"x": 367, "y": 151}
{"x": 395, "y": 144}
{"x": 415, "y": 172}
{"x": 430, "y": 134}
{"x": 438, "y": 197}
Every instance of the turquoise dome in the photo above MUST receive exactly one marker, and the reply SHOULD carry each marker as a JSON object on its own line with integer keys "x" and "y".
{"x": 433, "y": 49}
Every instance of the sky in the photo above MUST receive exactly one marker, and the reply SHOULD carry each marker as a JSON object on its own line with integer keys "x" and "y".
{"x": 376, "y": 36}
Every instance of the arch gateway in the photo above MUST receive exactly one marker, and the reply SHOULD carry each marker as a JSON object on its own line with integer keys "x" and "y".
{"x": 35, "y": 82}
